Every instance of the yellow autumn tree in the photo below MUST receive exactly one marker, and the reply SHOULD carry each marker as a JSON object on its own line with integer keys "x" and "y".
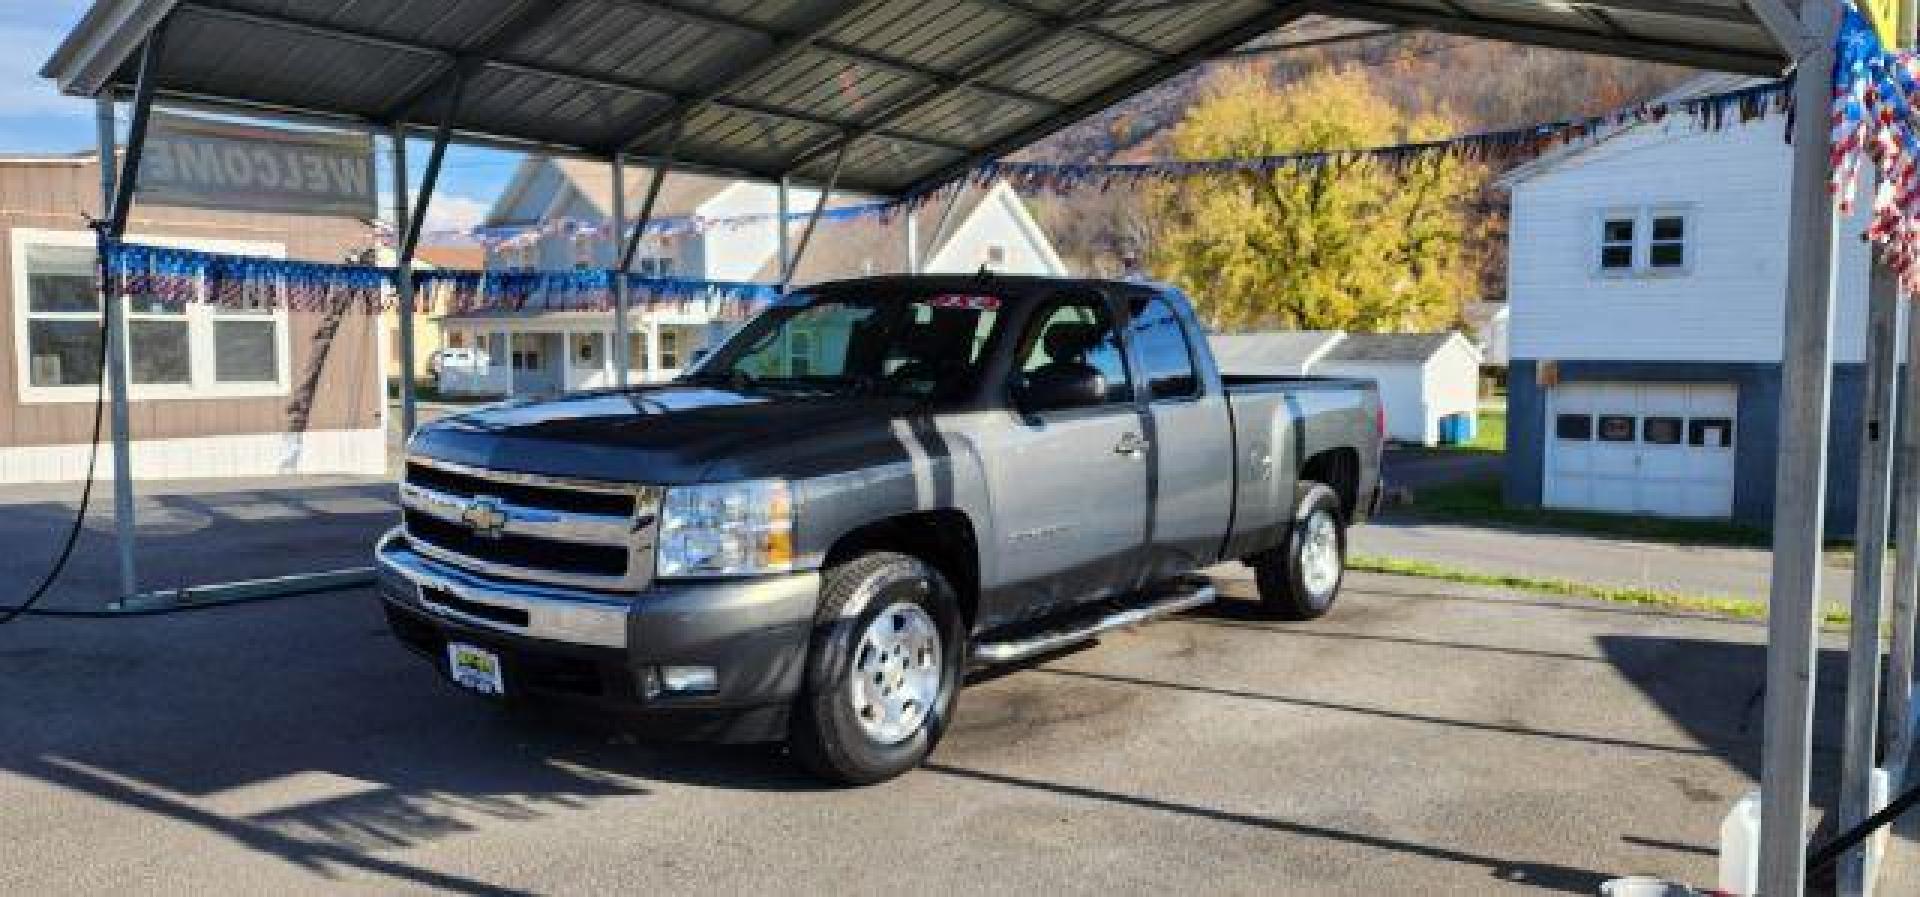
{"x": 1355, "y": 244}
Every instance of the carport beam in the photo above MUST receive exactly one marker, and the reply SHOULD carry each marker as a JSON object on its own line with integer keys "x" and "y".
{"x": 1800, "y": 482}
{"x": 813, "y": 220}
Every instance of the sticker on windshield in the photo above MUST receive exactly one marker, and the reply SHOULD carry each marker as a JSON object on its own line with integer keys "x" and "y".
{"x": 962, "y": 300}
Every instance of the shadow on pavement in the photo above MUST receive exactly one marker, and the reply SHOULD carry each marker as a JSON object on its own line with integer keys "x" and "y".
{"x": 1543, "y": 876}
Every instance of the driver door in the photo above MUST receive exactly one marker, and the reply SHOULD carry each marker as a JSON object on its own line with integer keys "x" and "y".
{"x": 1070, "y": 485}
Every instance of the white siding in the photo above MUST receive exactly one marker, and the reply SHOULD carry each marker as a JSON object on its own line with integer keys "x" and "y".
{"x": 1416, "y": 396}
{"x": 1725, "y": 307}
{"x": 738, "y": 253}
{"x": 999, "y": 220}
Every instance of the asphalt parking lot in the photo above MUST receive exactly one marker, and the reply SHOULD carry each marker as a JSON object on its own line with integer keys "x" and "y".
{"x": 1423, "y": 739}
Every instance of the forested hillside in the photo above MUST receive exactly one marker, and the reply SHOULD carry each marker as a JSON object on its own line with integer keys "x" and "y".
{"x": 1455, "y": 84}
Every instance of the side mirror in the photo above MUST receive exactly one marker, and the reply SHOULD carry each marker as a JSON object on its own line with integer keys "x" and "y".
{"x": 1057, "y": 389}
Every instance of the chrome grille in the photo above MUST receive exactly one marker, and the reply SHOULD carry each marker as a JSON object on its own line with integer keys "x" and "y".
{"x": 584, "y": 533}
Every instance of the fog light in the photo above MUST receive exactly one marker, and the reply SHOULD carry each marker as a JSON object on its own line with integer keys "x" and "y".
{"x": 689, "y": 680}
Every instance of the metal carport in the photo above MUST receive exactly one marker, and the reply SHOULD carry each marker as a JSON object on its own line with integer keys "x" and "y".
{"x": 900, "y": 96}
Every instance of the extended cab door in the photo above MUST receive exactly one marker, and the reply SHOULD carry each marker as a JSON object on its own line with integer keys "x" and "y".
{"x": 1070, "y": 486}
{"x": 1190, "y": 493}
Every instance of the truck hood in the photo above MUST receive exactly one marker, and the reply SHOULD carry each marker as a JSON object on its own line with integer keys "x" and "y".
{"x": 666, "y": 434}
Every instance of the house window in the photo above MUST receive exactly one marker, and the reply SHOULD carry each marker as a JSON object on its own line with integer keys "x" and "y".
{"x": 669, "y": 349}
{"x": 996, "y": 255}
{"x": 586, "y": 350}
{"x": 1644, "y": 241}
{"x": 1578, "y": 427}
{"x": 175, "y": 350}
{"x": 653, "y": 266}
{"x": 63, "y": 316}
{"x": 1616, "y": 244}
{"x": 1667, "y": 246}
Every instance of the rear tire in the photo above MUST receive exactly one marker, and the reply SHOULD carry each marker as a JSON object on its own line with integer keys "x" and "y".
{"x": 887, "y": 654}
{"x": 1301, "y": 579}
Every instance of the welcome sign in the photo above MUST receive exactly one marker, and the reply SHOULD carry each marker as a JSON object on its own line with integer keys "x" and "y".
{"x": 207, "y": 164}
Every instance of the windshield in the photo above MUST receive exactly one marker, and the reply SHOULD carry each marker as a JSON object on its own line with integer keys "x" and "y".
{"x": 910, "y": 344}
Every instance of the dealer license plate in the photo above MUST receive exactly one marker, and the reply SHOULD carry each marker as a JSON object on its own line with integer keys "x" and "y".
{"x": 475, "y": 668}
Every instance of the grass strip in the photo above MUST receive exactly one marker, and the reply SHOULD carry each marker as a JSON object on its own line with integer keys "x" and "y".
{"x": 1740, "y": 608}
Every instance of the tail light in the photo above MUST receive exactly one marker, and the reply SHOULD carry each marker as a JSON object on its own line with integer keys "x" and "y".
{"x": 1380, "y": 421}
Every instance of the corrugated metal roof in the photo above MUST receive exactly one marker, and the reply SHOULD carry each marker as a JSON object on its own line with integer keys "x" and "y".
{"x": 915, "y": 91}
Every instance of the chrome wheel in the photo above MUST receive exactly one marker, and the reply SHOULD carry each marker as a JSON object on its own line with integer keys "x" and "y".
{"x": 896, "y": 673}
{"x": 1320, "y": 553}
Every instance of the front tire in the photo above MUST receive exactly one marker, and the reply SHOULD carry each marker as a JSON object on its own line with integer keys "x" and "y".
{"x": 1301, "y": 579}
{"x": 887, "y": 654}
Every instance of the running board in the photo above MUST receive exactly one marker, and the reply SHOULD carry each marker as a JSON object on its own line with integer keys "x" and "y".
{"x": 1053, "y": 635}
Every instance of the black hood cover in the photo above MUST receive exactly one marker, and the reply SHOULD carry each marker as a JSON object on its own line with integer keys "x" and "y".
{"x": 666, "y": 434}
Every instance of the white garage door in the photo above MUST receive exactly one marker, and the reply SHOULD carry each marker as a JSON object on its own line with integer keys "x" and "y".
{"x": 1641, "y": 448}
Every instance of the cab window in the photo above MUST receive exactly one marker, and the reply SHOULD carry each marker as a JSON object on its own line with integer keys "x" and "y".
{"x": 1166, "y": 360}
{"x": 1078, "y": 333}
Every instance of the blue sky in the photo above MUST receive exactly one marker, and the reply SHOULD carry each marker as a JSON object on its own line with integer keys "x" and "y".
{"x": 35, "y": 118}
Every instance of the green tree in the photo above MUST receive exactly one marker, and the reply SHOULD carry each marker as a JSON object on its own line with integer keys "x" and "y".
{"x": 1355, "y": 244}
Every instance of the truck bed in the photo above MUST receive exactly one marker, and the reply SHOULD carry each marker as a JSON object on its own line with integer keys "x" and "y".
{"x": 1281, "y": 424}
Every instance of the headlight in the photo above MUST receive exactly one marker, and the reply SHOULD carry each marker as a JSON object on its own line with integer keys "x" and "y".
{"x": 727, "y": 529}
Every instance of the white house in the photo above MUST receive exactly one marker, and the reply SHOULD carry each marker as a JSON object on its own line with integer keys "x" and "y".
{"x": 1646, "y": 285}
{"x": 538, "y": 352}
{"x": 1424, "y": 378}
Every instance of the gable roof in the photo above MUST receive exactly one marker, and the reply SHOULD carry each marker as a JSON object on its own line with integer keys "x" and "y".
{"x": 1391, "y": 347}
{"x": 681, "y": 194}
{"x": 1701, "y": 86}
{"x": 1272, "y": 348}
{"x": 869, "y": 245}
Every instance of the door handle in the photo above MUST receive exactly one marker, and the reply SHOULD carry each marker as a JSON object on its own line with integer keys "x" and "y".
{"x": 1131, "y": 445}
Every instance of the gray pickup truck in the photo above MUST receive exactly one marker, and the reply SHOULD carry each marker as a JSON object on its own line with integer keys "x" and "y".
{"x": 872, "y": 486}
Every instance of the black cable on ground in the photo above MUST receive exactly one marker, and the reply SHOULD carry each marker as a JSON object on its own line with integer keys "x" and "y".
{"x": 10, "y": 613}
{"x": 1820, "y": 859}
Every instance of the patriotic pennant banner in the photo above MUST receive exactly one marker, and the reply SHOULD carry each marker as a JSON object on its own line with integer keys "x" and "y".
{"x": 168, "y": 276}
{"x": 1710, "y": 112}
{"x": 1875, "y": 93}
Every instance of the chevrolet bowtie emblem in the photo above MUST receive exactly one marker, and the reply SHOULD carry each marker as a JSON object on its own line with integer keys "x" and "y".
{"x": 484, "y": 515}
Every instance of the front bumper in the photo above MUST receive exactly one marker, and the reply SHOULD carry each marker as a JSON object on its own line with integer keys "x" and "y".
{"x": 595, "y": 650}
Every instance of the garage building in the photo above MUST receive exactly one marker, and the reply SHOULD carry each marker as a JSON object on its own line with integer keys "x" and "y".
{"x": 1646, "y": 305}
{"x": 1424, "y": 378}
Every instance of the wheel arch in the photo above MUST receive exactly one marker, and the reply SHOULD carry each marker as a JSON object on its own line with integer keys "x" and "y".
{"x": 1339, "y": 469}
{"x": 943, "y": 538}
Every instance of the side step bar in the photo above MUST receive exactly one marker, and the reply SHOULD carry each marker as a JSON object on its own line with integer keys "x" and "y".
{"x": 1054, "y": 635}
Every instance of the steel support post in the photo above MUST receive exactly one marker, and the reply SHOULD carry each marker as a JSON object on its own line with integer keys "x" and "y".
{"x": 117, "y": 192}
{"x": 1800, "y": 483}
{"x": 403, "y": 283}
{"x": 1897, "y": 719}
{"x": 813, "y": 219}
{"x": 1861, "y": 745}
{"x": 1898, "y": 711}
{"x": 124, "y": 522}
{"x": 622, "y": 340}
{"x": 911, "y": 227}
{"x": 780, "y": 236}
